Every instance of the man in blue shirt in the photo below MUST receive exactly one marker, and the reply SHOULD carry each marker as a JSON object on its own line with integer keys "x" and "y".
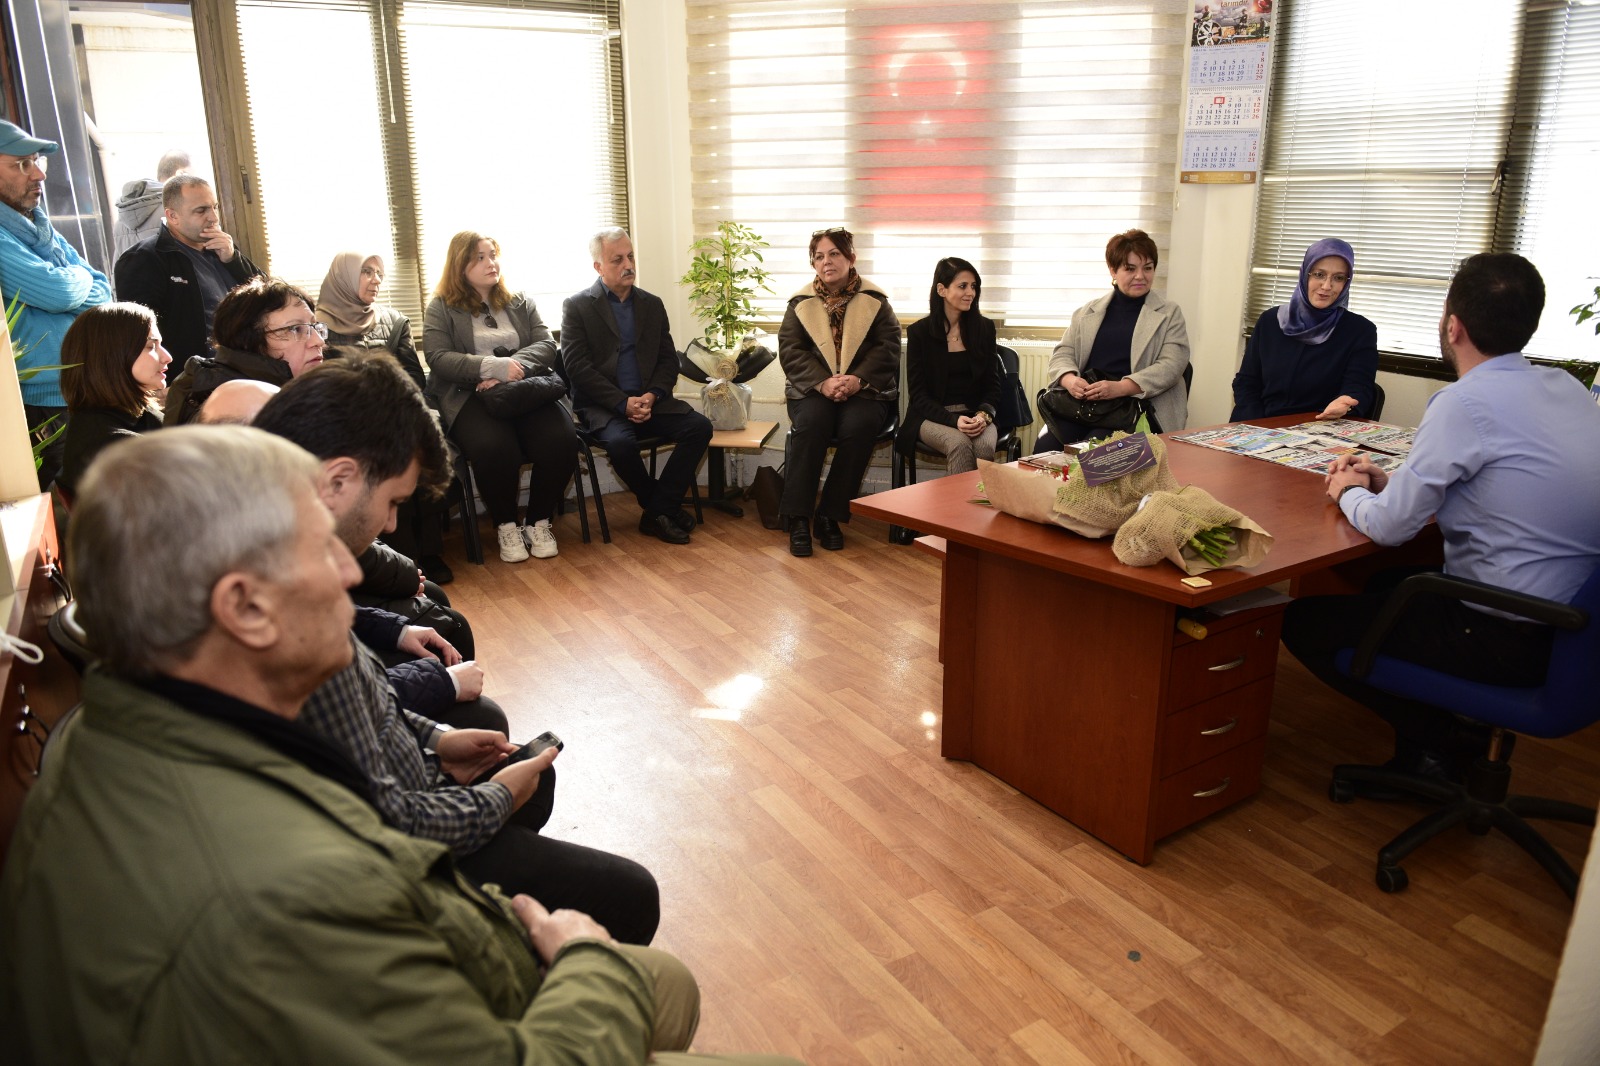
{"x": 1505, "y": 462}
{"x": 617, "y": 349}
{"x": 47, "y": 278}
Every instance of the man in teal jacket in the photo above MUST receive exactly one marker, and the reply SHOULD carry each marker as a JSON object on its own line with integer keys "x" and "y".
{"x": 198, "y": 879}
{"x": 40, "y": 270}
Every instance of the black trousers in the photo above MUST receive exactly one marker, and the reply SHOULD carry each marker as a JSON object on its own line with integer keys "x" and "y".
{"x": 498, "y": 448}
{"x": 690, "y": 433}
{"x": 616, "y": 892}
{"x": 481, "y": 713}
{"x": 1435, "y": 632}
{"x": 818, "y": 422}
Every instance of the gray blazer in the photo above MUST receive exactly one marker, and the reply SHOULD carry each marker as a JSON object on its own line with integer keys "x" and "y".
{"x": 589, "y": 345}
{"x": 452, "y": 363}
{"x": 1160, "y": 352}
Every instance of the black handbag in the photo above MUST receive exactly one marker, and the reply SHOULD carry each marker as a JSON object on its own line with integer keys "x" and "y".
{"x": 512, "y": 398}
{"x": 1059, "y": 406}
{"x": 766, "y": 488}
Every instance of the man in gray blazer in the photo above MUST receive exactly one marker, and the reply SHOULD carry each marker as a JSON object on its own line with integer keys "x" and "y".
{"x": 617, "y": 352}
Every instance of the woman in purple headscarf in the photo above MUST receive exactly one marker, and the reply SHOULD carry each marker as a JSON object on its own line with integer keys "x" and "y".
{"x": 1311, "y": 354}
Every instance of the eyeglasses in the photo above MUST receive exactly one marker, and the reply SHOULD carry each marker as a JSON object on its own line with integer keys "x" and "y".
{"x": 28, "y": 162}
{"x": 371, "y": 272}
{"x": 1320, "y": 276}
{"x": 302, "y": 331}
{"x": 488, "y": 316}
{"x": 829, "y": 232}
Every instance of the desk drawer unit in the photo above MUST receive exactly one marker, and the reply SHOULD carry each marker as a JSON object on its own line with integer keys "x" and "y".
{"x": 1213, "y": 734}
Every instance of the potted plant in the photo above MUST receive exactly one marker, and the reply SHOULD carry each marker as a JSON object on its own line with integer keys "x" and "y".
{"x": 724, "y": 276}
{"x": 48, "y": 431}
{"x": 1584, "y": 369}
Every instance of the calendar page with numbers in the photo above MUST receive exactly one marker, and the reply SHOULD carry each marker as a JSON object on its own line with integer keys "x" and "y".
{"x": 1229, "y": 61}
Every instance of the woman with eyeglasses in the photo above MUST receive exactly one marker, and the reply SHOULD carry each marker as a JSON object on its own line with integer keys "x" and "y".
{"x": 491, "y": 374}
{"x": 1130, "y": 342}
{"x": 840, "y": 349}
{"x": 952, "y": 377}
{"x": 114, "y": 382}
{"x": 264, "y": 330}
{"x": 1311, "y": 354}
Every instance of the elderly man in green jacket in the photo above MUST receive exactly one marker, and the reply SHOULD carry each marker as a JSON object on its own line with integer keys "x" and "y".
{"x": 196, "y": 878}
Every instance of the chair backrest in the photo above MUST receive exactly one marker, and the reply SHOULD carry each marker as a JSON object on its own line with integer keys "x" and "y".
{"x": 1015, "y": 409}
{"x": 1377, "y": 402}
{"x": 1188, "y": 379}
{"x": 1571, "y": 698}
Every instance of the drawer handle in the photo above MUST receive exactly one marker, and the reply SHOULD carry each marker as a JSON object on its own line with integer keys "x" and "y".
{"x": 1226, "y": 781}
{"x": 1221, "y": 729}
{"x": 1226, "y": 666}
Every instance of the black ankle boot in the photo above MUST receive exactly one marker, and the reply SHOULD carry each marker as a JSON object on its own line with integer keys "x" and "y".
{"x": 799, "y": 537}
{"x": 829, "y": 534}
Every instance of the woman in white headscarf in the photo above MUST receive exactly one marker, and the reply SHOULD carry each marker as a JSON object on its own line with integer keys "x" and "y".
{"x": 348, "y": 305}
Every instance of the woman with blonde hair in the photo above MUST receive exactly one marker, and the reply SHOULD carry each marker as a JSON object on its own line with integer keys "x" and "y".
{"x": 491, "y": 374}
{"x": 114, "y": 382}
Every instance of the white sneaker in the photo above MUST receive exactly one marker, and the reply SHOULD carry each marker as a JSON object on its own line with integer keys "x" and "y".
{"x": 512, "y": 547}
{"x": 541, "y": 539}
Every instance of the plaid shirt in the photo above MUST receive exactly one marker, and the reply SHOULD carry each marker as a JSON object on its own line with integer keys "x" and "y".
{"x": 359, "y": 711}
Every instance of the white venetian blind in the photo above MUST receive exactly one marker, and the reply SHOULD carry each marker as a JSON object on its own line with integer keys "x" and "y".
{"x": 1019, "y": 136}
{"x": 389, "y": 125}
{"x": 1386, "y": 130}
{"x": 1548, "y": 206}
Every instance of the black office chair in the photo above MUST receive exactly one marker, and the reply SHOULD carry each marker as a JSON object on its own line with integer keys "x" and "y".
{"x": 1567, "y": 702}
{"x": 588, "y": 447}
{"x": 1376, "y": 414}
{"x": 461, "y": 496}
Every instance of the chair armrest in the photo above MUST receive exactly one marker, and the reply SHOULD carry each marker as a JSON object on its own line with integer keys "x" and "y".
{"x": 1534, "y": 608}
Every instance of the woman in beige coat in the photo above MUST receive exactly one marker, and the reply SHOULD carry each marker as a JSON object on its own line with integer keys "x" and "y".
{"x": 1132, "y": 337}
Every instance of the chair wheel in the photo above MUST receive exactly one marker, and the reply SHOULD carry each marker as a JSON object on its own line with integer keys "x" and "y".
{"x": 1392, "y": 879}
{"x": 901, "y": 535}
{"x": 1341, "y": 791}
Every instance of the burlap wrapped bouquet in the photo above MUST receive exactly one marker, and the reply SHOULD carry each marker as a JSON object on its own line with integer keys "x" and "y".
{"x": 1019, "y": 490}
{"x": 1170, "y": 523}
{"x": 1099, "y": 510}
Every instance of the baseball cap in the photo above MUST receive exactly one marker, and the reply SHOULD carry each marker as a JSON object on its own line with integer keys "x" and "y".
{"x": 14, "y": 140}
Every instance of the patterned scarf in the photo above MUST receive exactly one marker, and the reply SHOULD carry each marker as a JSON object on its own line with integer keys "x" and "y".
{"x": 836, "y": 302}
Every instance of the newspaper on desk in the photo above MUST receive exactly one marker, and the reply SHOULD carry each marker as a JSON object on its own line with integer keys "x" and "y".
{"x": 1310, "y": 446}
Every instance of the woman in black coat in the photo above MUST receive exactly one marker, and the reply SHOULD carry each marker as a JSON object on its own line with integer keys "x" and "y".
{"x": 115, "y": 380}
{"x": 952, "y": 373}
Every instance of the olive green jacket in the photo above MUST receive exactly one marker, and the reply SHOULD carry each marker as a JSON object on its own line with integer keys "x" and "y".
{"x": 180, "y": 892}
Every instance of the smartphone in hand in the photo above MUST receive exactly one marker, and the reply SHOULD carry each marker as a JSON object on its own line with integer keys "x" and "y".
{"x": 533, "y": 747}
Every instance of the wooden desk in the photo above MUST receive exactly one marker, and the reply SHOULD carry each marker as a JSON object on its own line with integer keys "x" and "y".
{"x": 753, "y": 435}
{"x": 1100, "y": 709}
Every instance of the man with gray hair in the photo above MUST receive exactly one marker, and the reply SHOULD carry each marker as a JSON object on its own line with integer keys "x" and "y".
{"x": 139, "y": 207}
{"x": 197, "y": 878}
{"x": 616, "y": 349}
{"x": 184, "y": 271}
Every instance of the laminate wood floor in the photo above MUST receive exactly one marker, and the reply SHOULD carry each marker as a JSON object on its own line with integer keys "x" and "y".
{"x": 763, "y": 733}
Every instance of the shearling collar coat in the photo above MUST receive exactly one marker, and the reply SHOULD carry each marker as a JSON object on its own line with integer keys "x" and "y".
{"x": 871, "y": 342}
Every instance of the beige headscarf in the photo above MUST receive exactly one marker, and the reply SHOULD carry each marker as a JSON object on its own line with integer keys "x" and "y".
{"x": 338, "y": 306}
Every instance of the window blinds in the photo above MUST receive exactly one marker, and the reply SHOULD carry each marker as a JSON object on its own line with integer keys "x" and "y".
{"x": 1387, "y": 131}
{"x": 1019, "y": 136}
{"x": 389, "y": 125}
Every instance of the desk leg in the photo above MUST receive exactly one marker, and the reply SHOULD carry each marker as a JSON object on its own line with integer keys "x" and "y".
{"x": 717, "y": 494}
